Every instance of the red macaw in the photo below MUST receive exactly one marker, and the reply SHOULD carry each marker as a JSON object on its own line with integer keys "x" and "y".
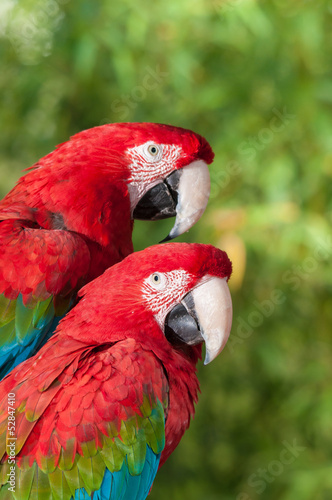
{"x": 107, "y": 399}
{"x": 71, "y": 217}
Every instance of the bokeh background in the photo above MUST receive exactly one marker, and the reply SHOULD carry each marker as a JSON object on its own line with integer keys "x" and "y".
{"x": 255, "y": 78}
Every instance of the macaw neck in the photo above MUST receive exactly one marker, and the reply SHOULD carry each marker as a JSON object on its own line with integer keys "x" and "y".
{"x": 183, "y": 394}
{"x": 95, "y": 207}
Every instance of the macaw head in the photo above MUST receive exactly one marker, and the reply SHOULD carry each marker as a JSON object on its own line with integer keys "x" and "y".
{"x": 170, "y": 296}
{"x": 164, "y": 168}
{"x": 168, "y": 174}
{"x": 103, "y": 178}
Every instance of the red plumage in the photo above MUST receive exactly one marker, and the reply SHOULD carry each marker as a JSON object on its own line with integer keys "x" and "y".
{"x": 104, "y": 351}
{"x": 82, "y": 188}
{"x": 71, "y": 217}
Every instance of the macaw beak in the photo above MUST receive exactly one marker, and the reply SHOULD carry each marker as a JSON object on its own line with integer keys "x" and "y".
{"x": 183, "y": 194}
{"x": 204, "y": 315}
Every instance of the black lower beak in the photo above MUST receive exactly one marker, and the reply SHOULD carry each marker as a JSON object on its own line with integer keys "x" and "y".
{"x": 181, "y": 325}
{"x": 160, "y": 201}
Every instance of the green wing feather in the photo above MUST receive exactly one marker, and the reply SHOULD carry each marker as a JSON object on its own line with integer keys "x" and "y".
{"x": 24, "y": 328}
{"x": 54, "y": 459}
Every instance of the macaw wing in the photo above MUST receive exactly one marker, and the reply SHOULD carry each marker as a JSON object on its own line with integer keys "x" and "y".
{"x": 40, "y": 271}
{"x": 90, "y": 423}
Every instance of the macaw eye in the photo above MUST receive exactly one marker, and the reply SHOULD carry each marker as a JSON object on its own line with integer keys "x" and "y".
{"x": 158, "y": 281}
{"x": 156, "y": 278}
{"x": 153, "y": 150}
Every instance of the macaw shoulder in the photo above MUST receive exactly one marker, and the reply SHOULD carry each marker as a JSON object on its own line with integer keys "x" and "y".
{"x": 38, "y": 263}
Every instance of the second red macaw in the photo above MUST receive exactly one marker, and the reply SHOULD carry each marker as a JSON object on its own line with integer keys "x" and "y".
{"x": 106, "y": 401}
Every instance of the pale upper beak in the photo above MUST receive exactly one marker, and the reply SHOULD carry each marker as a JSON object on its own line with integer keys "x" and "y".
{"x": 205, "y": 314}
{"x": 184, "y": 194}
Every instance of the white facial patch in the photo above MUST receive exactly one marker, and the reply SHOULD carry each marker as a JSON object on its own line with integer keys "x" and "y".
{"x": 149, "y": 163}
{"x": 161, "y": 298}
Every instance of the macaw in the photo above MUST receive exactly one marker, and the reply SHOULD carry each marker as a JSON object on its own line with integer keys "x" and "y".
{"x": 107, "y": 399}
{"x": 71, "y": 217}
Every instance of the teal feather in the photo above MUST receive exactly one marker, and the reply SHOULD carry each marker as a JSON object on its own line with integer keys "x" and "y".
{"x": 121, "y": 485}
{"x": 24, "y": 329}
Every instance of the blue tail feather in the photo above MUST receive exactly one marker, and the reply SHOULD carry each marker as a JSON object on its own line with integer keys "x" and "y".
{"x": 121, "y": 485}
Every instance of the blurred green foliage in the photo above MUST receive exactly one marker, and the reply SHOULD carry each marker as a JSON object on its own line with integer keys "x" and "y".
{"x": 255, "y": 78}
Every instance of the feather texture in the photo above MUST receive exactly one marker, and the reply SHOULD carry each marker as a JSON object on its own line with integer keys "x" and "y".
{"x": 100, "y": 427}
{"x": 107, "y": 399}
{"x": 68, "y": 219}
